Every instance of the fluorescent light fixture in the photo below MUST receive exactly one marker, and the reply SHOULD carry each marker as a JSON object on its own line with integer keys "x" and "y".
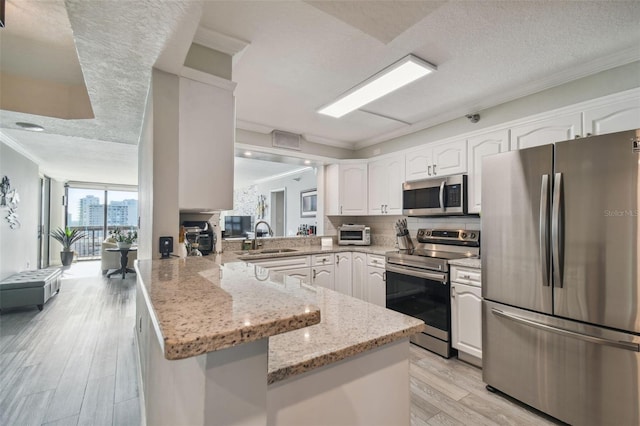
{"x": 406, "y": 70}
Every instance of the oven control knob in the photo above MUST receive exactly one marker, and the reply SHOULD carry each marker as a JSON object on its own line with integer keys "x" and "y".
{"x": 473, "y": 235}
{"x": 464, "y": 235}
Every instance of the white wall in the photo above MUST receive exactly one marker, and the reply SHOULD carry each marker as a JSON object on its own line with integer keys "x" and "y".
{"x": 158, "y": 166}
{"x": 19, "y": 247}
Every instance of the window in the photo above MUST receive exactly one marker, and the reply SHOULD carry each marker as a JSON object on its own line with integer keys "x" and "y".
{"x": 97, "y": 212}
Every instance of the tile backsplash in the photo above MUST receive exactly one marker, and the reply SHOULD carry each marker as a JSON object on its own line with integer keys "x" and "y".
{"x": 383, "y": 227}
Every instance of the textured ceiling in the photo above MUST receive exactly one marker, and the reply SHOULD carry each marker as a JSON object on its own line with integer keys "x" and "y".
{"x": 303, "y": 54}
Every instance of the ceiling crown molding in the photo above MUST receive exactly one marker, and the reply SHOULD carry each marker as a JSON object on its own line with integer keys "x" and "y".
{"x": 221, "y": 42}
{"x": 13, "y": 144}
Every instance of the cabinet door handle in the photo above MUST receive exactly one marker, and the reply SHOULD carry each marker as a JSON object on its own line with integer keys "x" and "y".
{"x": 453, "y": 292}
{"x": 340, "y": 209}
{"x": 429, "y": 169}
{"x": 384, "y": 276}
{"x": 381, "y": 208}
{"x": 314, "y": 275}
{"x": 434, "y": 170}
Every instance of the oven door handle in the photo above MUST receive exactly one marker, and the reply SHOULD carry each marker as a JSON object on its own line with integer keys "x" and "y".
{"x": 441, "y": 195}
{"x": 412, "y": 272}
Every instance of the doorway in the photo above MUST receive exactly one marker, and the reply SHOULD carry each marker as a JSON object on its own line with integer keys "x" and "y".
{"x": 44, "y": 222}
{"x": 278, "y": 216}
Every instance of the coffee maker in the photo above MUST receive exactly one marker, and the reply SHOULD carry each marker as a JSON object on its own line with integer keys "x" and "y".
{"x": 201, "y": 233}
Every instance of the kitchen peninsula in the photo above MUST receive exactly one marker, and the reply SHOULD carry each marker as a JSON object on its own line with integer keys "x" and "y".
{"x": 236, "y": 344}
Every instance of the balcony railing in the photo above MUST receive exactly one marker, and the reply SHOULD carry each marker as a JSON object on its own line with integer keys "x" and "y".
{"x": 90, "y": 246}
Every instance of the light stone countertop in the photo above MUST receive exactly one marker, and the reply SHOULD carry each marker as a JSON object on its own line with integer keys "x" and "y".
{"x": 198, "y": 312}
{"x": 349, "y": 326}
{"x": 195, "y": 310}
{"x": 473, "y": 262}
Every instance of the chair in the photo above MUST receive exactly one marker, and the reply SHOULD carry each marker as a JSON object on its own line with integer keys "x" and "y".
{"x": 111, "y": 259}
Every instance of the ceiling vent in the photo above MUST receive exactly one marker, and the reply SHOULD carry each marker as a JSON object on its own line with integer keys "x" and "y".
{"x": 285, "y": 140}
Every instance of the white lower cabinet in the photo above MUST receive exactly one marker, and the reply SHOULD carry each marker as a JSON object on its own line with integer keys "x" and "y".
{"x": 376, "y": 292}
{"x": 359, "y": 275}
{"x": 466, "y": 313}
{"x": 322, "y": 270}
{"x": 352, "y": 273}
{"x": 303, "y": 274}
{"x": 343, "y": 283}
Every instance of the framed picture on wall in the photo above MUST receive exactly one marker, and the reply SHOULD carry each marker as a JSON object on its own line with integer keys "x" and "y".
{"x": 308, "y": 202}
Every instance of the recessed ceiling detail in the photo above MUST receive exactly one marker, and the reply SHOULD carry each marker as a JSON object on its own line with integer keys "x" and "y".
{"x": 38, "y": 36}
{"x": 382, "y": 20}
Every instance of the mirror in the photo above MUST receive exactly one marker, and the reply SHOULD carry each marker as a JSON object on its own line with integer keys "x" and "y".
{"x": 278, "y": 189}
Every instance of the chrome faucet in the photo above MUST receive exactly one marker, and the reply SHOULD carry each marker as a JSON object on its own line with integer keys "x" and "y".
{"x": 255, "y": 245}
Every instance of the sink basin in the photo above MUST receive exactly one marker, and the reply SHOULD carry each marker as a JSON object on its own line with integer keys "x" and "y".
{"x": 266, "y": 251}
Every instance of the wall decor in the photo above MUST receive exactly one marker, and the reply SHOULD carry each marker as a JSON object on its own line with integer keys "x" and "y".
{"x": 308, "y": 202}
{"x": 262, "y": 206}
{"x": 9, "y": 199}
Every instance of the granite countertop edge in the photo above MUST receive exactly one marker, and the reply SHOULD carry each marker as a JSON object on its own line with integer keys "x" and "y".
{"x": 187, "y": 348}
{"x": 339, "y": 354}
{"x": 175, "y": 348}
{"x": 473, "y": 262}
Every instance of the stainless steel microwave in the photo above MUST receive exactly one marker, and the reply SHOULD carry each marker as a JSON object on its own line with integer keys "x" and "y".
{"x": 446, "y": 196}
{"x": 354, "y": 235}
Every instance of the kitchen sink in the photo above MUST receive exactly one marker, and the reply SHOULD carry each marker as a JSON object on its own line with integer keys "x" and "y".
{"x": 266, "y": 251}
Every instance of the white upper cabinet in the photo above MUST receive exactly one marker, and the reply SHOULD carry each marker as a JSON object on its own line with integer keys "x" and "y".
{"x": 206, "y": 143}
{"x": 543, "y": 132}
{"x": 479, "y": 147}
{"x": 615, "y": 117}
{"x": 346, "y": 192}
{"x": 385, "y": 185}
{"x": 438, "y": 159}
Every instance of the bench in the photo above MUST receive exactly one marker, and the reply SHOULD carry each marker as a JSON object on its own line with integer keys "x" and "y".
{"x": 29, "y": 288}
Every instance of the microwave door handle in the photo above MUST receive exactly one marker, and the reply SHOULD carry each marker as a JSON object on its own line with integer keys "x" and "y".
{"x": 442, "y": 195}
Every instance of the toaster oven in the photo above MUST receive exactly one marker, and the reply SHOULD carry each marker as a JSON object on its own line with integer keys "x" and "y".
{"x": 354, "y": 235}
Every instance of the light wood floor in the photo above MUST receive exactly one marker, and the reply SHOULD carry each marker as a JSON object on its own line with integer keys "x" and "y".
{"x": 74, "y": 364}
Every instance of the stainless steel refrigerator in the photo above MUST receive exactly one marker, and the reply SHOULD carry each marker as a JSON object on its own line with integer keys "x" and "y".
{"x": 560, "y": 282}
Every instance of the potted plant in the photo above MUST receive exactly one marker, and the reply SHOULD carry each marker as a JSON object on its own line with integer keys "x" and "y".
{"x": 67, "y": 237}
{"x": 124, "y": 239}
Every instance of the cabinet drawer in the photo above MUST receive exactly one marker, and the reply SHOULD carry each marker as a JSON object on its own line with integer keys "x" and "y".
{"x": 283, "y": 263}
{"x": 375, "y": 260}
{"x": 322, "y": 259}
{"x": 464, "y": 275}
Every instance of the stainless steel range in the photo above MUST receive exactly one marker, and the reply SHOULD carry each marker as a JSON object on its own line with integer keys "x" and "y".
{"x": 418, "y": 282}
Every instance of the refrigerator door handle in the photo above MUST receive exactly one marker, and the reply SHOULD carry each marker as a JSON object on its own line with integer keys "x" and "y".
{"x": 544, "y": 230}
{"x": 442, "y": 195}
{"x": 557, "y": 231}
{"x": 635, "y": 347}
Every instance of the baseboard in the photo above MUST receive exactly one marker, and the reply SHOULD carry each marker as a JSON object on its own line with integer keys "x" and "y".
{"x": 469, "y": 359}
{"x": 143, "y": 416}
